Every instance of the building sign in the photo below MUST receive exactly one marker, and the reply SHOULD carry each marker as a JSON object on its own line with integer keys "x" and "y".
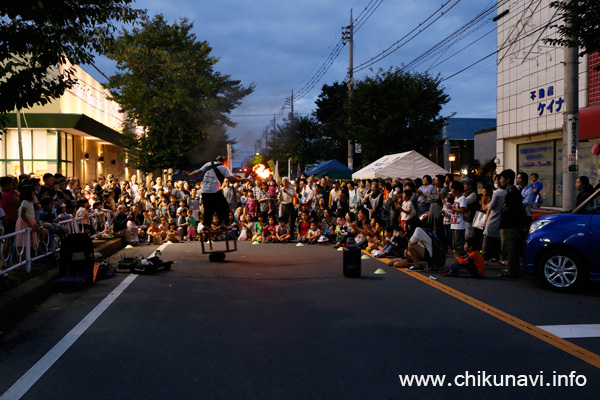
{"x": 97, "y": 99}
{"x": 546, "y": 103}
{"x": 572, "y": 141}
{"x": 536, "y": 154}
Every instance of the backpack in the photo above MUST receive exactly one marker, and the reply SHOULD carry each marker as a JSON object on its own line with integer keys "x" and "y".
{"x": 438, "y": 256}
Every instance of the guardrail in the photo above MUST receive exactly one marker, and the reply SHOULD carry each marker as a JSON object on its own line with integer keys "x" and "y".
{"x": 17, "y": 249}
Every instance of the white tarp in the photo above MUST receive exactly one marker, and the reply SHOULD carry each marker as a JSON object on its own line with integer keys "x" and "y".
{"x": 409, "y": 164}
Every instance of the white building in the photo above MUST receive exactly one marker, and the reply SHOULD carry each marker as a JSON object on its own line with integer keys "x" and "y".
{"x": 530, "y": 98}
{"x": 77, "y": 135}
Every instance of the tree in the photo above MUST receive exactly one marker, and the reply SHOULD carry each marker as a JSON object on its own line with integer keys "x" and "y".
{"x": 209, "y": 147}
{"x": 303, "y": 143}
{"x": 396, "y": 111}
{"x": 38, "y": 35}
{"x": 580, "y": 25}
{"x": 332, "y": 114}
{"x": 167, "y": 84}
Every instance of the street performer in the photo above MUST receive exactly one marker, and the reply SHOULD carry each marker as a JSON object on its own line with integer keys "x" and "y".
{"x": 213, "y": 175}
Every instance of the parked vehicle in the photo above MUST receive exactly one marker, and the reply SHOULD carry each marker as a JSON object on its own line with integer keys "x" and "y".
{"x": 561, "y": 248}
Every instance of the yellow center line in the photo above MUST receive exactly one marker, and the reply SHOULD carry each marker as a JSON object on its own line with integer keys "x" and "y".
{"x": 562, "y": 344}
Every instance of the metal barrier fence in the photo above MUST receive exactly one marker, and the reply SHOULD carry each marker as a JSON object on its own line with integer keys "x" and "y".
{"x": 20, "y": 249}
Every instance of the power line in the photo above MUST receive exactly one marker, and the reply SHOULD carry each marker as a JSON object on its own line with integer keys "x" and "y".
{"x": 405, "y": 39}
{"x": 359, "y": 24}
{"x": 362, "y": 18}
{"x": 466, "y": 68}
{"x": 461, "y": 33}
{"x": 505, "y": 46}
{"x": 459, "y": 51}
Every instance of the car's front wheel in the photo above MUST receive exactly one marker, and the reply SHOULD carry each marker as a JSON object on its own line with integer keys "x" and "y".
{"x": 562, "y": 270}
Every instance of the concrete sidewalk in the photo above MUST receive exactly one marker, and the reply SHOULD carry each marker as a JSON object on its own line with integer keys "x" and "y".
{"x": 30, "y": 289}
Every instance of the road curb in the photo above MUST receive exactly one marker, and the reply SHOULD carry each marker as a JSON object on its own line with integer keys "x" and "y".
{"x": 19, "y": 300}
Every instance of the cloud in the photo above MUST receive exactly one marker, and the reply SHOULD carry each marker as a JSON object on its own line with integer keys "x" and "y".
{"x": 279, "y": 44}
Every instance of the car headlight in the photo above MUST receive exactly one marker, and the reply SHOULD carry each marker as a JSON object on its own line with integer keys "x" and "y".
{"x": 535, "y": 225}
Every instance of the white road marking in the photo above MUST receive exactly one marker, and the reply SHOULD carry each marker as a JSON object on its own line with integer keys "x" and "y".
{"x": 573, "y": 331}
{"x": 20, "y": 387}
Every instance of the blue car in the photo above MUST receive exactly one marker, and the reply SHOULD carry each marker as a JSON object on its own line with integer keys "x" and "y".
{"x": 561, "y": 248}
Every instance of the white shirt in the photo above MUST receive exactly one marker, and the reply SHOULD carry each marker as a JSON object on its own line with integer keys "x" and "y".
{"x": 420, "y": 236}
{"x": 29, "y": 209}
{"x": 210, "y": 182}
{"x": 457, "y": 220}
{"x": 309, "y": 196}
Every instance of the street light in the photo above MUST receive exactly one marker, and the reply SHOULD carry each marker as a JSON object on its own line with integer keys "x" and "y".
{"x": 451, "y": 158}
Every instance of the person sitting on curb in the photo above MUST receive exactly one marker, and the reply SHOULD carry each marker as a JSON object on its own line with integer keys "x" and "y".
{"x": 472, "y": 261}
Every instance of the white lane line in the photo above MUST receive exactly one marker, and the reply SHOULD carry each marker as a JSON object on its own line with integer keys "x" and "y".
{"x": 573, "y": 331}
{"x": 160, "y": 248}
{"x": 20, "y": 387}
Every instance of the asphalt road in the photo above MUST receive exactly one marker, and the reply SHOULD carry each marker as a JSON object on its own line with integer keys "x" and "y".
{"x": 282, "y": 322}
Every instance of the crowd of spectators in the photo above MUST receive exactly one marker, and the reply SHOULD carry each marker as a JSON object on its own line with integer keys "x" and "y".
{"x": 399, "y": 218}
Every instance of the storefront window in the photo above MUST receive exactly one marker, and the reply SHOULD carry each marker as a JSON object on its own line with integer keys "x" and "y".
{"x": 40, "y": 167}
{"x": 41, "y": 144}
{"x": 589, "y": 163}
{"x": 68, "y": 155}
{"x": 13, "y": 144}
{"x": 540, "y": 157}
{"x": 63, "y": 150}
{"x": 51, "y": 145}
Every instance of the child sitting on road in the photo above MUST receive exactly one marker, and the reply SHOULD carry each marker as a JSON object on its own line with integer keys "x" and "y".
{"x": 341, "y": 231}
{"x": 313, "y": 233}
{"x": 258, "y": 229}
{"x": 164, "y": 226}
{"x": 270, "y": 231}
{"x": 155, "y": 234}
{"x": 283, "y": 231}
{"x": 376, "y": 240}
{"x": 200, "y": 224}
{"x": 246, "y": 228}
{"x": 472, "y": 261}
{"x": 303, "y": 227}
{"x": 216, "y": 227}
{"x": 395, "y": 243}
{"x": 173, "y": 233}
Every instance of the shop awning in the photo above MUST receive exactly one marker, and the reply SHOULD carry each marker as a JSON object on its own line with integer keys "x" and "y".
{"x": 589, "y": 122}
{"x": 72, "y": 123}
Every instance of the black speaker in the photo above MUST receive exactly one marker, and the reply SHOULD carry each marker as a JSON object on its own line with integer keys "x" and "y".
{"x": 352, "y": 263}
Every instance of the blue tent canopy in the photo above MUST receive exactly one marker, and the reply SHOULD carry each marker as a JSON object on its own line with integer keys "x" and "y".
{"x": 333, "y": 168}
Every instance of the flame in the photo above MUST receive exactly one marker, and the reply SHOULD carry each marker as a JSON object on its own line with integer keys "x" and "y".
{"x": 261, "y": 171}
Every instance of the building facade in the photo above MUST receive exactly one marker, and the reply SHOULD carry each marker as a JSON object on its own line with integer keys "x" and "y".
{"x": 458, "y": 138}
{"x": 531, "y": 98}
{"x": 77, "y": 135}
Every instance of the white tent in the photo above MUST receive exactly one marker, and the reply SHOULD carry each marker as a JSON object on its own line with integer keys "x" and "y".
{"x": 409, "y": 164}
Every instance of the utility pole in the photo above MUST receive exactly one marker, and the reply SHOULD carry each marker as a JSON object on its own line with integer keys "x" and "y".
{"x": 19, "y": 135}
{"x": 265, "y": 134}
{"x": 570, "y": 126}
{"x": 292, "y": 116}
{"x": 348, "y": 37}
